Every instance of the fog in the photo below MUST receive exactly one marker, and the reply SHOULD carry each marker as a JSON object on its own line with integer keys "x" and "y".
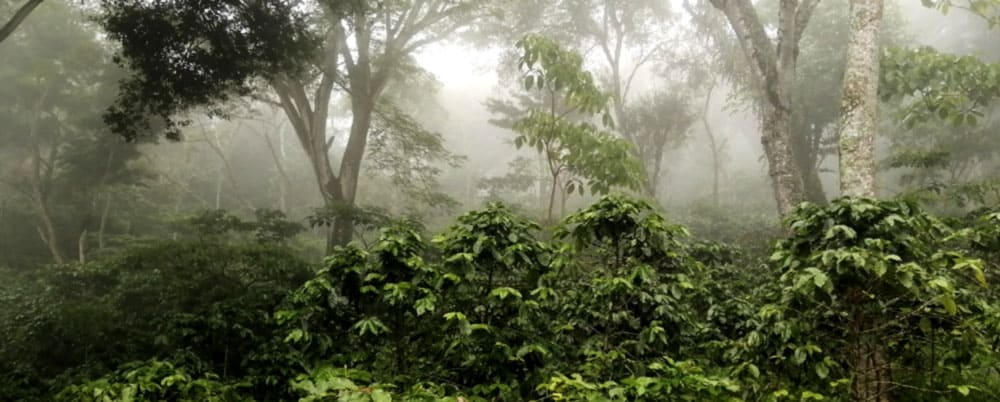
{"x": 291, "y": 136}
{"x": 252, "y": 159}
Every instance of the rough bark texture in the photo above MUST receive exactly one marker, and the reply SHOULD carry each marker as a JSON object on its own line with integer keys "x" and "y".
{"x": 859, "y": 113}
{"x": 859, "y": 101}
{"x": 786, "y": 178}
{"x": 773, "y": 67}
{"x": 867, "y": 357}
{"x": 871, "y": 373}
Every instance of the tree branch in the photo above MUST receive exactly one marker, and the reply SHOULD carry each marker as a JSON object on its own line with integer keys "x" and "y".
{"x": 18, "y": 18}
{"x": 755, "y": 43}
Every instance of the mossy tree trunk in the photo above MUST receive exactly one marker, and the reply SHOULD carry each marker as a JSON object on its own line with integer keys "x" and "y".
{"x": 773, "y": 66}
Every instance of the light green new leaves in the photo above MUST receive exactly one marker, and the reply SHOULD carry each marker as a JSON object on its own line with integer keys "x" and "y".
{"x": 989, "y": 10}
{"x": 934, "y": 85}
{"x": 546, "y": 63}
{"x": 573, "y": 147}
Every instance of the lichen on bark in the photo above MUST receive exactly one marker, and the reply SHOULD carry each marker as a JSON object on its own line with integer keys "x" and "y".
{"x": 859, "y": 101}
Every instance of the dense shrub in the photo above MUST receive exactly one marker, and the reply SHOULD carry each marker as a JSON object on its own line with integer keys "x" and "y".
{"x": 619, "y": 305}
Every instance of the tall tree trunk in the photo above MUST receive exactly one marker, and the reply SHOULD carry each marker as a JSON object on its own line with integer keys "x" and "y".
{"x": 216, "y": 145}
{"x": 870, "y": 371}
{"x": 773, "y": 66}
{"x": 653, "y": 177}
{"x": 47, "y": 230}
{"x": 105, "y": 212}
{"x": 40, "y": 180}
{"x": 218, "y": 191}
{"x": 807, "y": 156}
{"x": 278, "y": 157}
{"x": 859, "y": 101}
{"x": 714, "y": 144}
{"x": 786, "y": 178}
{"x": 859, "y": 113}
{"x": 309, "y": 121}
{"x": 867, "y": 358}
{"x": 362, "y": 109}
{"x": 81, "y": 247}
{"x": 399, "y": 35}
{"x": 612, "y": 35}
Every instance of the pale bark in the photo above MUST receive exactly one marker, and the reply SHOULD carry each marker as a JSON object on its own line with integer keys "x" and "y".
{"x": 773, "y": 69}
{"x": 81, "y": 247}
{"x": 278, "y": 157}
{"x": 19, "y": 17}
{"x": 309, "y": 121}
{"x": 859, "y": 101}
{"x": 368, "y": 63}
{"x": 612, "y": 35}
{"x": 859, "y": 122}
{"x": 40, "y": 180}
{"x": 218, "y": 192}
{"x": 216, "y": 145}
{"x": 714, "y": 144}
{"x": 104, "y": 222}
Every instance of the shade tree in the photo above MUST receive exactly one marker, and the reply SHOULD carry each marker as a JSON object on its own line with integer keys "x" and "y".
{"x": 303, "y": 54}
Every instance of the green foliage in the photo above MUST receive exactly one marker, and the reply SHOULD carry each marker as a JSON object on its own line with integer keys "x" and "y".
{"x": 520, "y": 179}
{"x": 270, "y": 226}
{"x": 202, "y": 304}
{"x": 616, "y": 306}
{"x": 627, "y": 227}
{"x": 955, "y": 89}
{"x": 153, "y": 381}
{"x": 410, "y": 155}
{"x": 182, "y": 61}
{"x": 577, "y": 152}
{"x": 667, "y": 380}
{"x": 545, "y": 63}
{"x": 580, "y": 150}
{"x": 328, "y": 384}
{"x": 881, "y": 279}
{"x": 658, "y": 122}
{"x": 989, "y": 10}
{"x": 946, "y": 149}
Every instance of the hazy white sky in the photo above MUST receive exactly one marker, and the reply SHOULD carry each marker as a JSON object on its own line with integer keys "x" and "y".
{"x": 459, "y": 66}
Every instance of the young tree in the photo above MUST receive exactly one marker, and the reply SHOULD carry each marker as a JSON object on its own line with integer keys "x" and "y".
{"x": 623, "y": 38}
{"x": 717, "y": 146}
{"x": 629, "y": 37}
{"x": 574, "y": 151}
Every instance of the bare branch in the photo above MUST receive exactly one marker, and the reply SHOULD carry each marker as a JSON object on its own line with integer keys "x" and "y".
{"x": 18, "y": 18}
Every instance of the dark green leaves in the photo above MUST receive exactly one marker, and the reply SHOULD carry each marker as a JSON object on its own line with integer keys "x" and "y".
{"x": 190, "y": 53}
